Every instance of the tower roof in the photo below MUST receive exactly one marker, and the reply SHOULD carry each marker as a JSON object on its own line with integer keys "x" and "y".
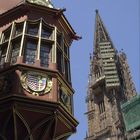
{"x": 101, "y": 34}
{"x": 42, "y": 2}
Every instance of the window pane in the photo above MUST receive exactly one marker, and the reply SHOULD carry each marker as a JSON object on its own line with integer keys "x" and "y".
{"x": 67, "y": 70}
{"x": 18, "y": 29}
{"x": 33, "y": 29}
{"x": 59, "y": 39}
{"x": 46, "y": 33}
{"x": 59, "y": 61}
{"x": 66, "y": 50}
{"x": 30, "y": 52}
{"x": 15, "y": 51}
{"x": 65, "y": 99}
{"x": 3, "y": 51}
{"x": 6, "y": 35}
{"x": 44, "y": 54}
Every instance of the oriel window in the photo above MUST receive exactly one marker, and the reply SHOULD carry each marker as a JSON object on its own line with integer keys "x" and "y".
{"x": 15, "y": 51}
{"x": 66, "y": 50}
{"x": 60, "y": 63}
{"x": 6, "y": 34}
{"x": 65, "y": 99}
{"x": 45, "y": 54}
{"x": 30, "y": 51}
{"x": 3, "y": 51}
{"x": 46, "y": 33}
{"x": 67, "y": 70}
{"x": 59, "y": 40}
{"x": 18, "y": 29}
{"x": 33, "y": 29}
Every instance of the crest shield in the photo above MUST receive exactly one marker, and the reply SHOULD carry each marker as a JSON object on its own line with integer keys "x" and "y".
{"x": 36, "y": 82}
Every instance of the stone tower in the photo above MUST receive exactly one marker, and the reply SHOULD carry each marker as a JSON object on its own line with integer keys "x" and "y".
{"x": 36, "y": 94}
{"x": 109, "y": 84}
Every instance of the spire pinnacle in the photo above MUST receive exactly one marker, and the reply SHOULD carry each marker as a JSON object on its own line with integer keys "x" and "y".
{"x": 96, "y": 11}
{"x": 100, "y": 34}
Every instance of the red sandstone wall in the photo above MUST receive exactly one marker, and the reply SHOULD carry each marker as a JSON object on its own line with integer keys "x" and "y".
{"x": 8, "y": 4}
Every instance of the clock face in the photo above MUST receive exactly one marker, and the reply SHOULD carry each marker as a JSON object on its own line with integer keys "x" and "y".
{"x": 36, "y": 83}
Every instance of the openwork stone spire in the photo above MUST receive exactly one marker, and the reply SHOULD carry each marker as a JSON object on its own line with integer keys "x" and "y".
{"x": 101, "y": 34}
{"x": 42, "y": 2}
{"x": 110, "y": 83}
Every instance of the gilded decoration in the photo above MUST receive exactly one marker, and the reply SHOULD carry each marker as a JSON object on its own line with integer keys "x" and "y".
{"x": 36, "y": 83}
{"x": 42, "y": 2}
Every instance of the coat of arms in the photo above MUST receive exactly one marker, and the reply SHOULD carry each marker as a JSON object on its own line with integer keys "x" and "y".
{"x": 36, "y": 83}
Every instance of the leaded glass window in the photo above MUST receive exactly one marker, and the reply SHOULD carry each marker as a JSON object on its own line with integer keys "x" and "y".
{"x": 65, "y": 99}
{"x": 18, "y": 29}
{"x": 66, "y": 50}
{"x": 15, "y": 51}
{"x": 67, "y": 70}
{"x": 60, "y": 64}
{"x": 59, "y": 40}
{"x": 26, "y": 39}
{"x": 33, "y": 29}
{"x": 46, "y": 33}
{"x": 63, "y": 64}
{"x": 3, "y": 51}
{"x": 6, "y": 34}
{"x": 44, "y": 54}
{"x": 30, "y": 51}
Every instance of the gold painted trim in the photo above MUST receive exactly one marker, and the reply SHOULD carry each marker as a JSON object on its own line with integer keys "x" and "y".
{"x": 39, "y": 40}
{"x": 9, "y": 44}
{"x": 22, "y": 39}
{"x": 44, "y": 91}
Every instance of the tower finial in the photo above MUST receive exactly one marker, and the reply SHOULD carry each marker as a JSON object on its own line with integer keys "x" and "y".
{"x": 96, "y": 11}
{"x": 42, "y": 2}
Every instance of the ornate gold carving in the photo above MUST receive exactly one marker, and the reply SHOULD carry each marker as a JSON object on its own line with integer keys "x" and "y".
{"x": 42, "y": 2}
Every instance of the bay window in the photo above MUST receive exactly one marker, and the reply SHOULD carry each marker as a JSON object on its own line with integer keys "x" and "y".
{"x": 31, "y": 39}
{"x": 30, "y": 51}
{"x": 32, "y": 29}
{"x": 3, "y": 51}
{"x": 15, "y": 51}
{"x": 45, "y": 54}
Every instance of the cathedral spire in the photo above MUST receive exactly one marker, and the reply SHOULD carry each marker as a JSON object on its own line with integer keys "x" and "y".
{"x": 100, "y": 34}
{"x": 109, "y": 84}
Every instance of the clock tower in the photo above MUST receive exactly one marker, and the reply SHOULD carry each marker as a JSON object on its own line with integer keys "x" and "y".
{"x": 36, "y": 94}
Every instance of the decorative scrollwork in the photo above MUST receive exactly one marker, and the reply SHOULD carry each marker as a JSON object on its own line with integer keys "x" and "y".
{"x": 35, "y": 83}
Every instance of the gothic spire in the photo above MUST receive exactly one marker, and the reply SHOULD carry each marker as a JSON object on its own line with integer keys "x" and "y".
{"x": 100, "y": 34}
